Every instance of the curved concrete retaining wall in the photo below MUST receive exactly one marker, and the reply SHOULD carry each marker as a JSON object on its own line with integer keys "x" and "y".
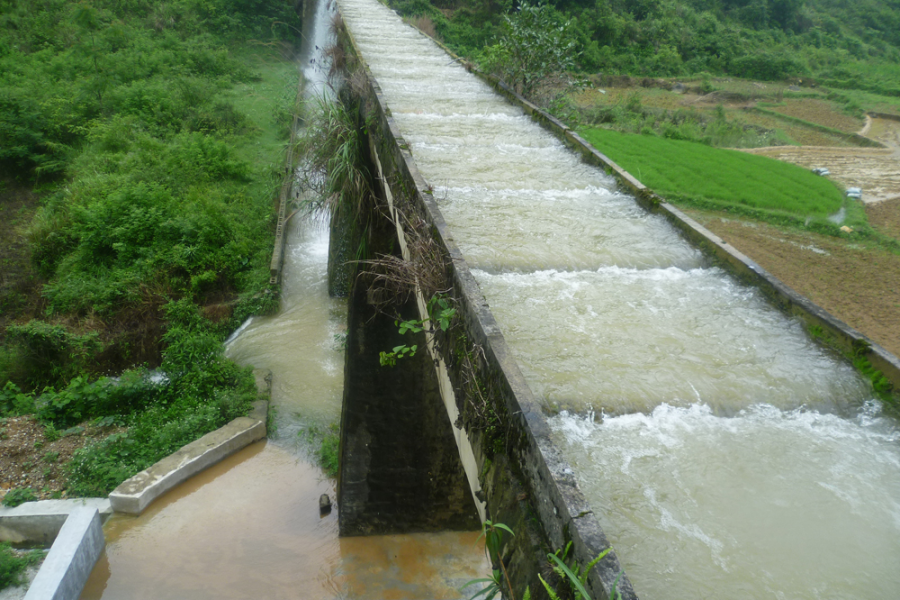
{"x": 75, "y": 526}
{"x": 529, "y": 486}
{"x": 136, "y": 493}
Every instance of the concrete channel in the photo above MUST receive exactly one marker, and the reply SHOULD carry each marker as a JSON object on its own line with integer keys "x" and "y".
{"x": 536, "y": 484}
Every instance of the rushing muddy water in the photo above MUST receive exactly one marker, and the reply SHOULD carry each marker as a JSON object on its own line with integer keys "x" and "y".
{"x": 726, "y": 454}
{"x": 250, "y": 526}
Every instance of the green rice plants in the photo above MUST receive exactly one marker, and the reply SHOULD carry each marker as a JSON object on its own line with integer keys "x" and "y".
{"x": 720, "y": 179}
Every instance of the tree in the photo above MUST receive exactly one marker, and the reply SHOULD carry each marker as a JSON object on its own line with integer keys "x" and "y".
{"x": 534, "y": 44}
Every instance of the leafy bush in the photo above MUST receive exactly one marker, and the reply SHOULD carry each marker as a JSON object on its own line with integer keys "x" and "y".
{"x": 82, "y": 400}
{"x": 767, "y": 67}
{"x": 181, "y": 414}
{"x": 201, "y": 391}
{"x": 17, "y": 496}
{"x": 51, "y": 353}
{"x": 535, "y": 42}
{"x": 13, "y": 402}
{"x": 160, "y": 204}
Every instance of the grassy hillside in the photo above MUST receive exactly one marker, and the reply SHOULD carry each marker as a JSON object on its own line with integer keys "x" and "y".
{"x": 153, "y": 135}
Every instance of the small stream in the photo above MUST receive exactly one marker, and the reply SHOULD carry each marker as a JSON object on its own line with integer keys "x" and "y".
{"x": 250, "y": 527}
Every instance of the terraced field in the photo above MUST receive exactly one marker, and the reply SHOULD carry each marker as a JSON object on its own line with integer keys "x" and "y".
{"x": 875, "y": 170}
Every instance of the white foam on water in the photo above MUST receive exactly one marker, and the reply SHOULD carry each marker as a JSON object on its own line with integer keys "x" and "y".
{"x": 768, "y": 503}
{"x": 622, "y": 339}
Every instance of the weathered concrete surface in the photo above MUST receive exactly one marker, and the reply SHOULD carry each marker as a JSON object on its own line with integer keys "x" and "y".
{"x": 135, "y": 494}
{"x": 523, "y": 478}
{"x": 38, "y": 523}
{"x": 71, "y": 558}
{"x": 525, "y": 482}
{"x": 400, "y": 471}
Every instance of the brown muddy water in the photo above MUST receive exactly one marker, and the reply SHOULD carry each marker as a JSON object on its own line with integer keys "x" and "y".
{"x": 250, "y": 527}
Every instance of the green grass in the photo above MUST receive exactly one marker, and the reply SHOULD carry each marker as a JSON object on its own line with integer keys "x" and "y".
{"x": 163, "y": 152}
{"x": 717, "y": 178}
{"x": 324, "y": 443}
{"x": 764, "y": 108}
{"x": 268, "y": 101}
{"x": 13, "y": 564}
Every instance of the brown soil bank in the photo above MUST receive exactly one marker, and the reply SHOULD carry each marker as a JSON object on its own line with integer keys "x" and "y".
{"x": 860, "y": 286}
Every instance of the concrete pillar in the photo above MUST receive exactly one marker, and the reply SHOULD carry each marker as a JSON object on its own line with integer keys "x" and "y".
{"x": 400, "y": 469}
{"x": 341, "y": 253}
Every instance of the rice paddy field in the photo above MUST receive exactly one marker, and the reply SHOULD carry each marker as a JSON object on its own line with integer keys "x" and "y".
{"x": 719, "y": 178}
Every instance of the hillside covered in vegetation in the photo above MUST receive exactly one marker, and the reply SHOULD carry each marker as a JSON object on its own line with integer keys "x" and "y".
{"x": 843, "y": 44}
{"x": 141, "y": 150}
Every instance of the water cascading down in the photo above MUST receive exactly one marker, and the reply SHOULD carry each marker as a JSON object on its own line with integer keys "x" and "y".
{"x": 724, "y": 452}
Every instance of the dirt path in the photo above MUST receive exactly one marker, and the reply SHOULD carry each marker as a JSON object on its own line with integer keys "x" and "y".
{"x": 857, "y": 285}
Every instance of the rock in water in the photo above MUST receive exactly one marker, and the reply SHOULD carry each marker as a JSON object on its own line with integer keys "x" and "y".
{"x": 324, "y": 504}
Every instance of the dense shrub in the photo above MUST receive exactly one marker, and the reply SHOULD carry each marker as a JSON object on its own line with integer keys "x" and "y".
{"x": 156, "y": 221}
{"x": 767, "y": 39}
{"x": 51, "y": 353}
{"x": 13, "y": 564}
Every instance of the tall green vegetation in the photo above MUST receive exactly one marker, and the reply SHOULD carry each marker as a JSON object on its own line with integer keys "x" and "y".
{"x": 127, "y": 108}
{"x": 13, "y": 564}
{"x": 533, "y": 44}
{"x": 850, "y": 45}
{"x": 155, "y": 132}
{"x": 330, "y": 151}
